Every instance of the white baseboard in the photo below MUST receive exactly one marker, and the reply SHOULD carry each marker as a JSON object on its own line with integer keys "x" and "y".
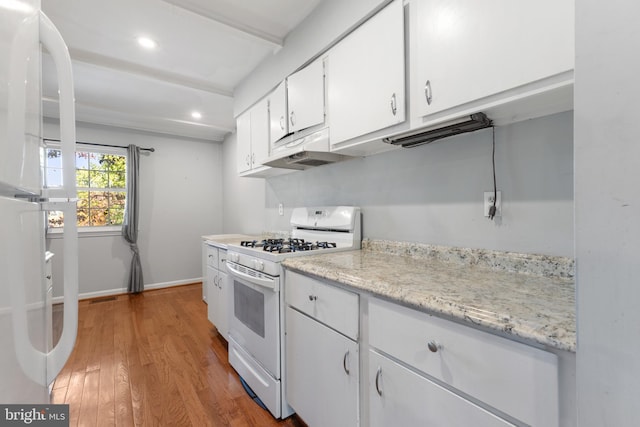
{"x": 117, "y": 291}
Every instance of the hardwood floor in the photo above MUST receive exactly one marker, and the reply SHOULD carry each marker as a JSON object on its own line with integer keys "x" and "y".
{"x": 154, "y": 359}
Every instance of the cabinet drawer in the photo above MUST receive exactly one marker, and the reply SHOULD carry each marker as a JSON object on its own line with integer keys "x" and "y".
{"x": 328, "y": 304}
{"x": 517, "y": 379}
{"x": 212, "y": 256}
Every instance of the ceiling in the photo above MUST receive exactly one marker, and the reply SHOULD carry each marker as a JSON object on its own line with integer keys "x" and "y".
{"x": 205, "y": 48}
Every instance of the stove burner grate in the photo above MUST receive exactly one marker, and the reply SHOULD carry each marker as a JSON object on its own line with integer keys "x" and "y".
{"x": 287, "y": 245}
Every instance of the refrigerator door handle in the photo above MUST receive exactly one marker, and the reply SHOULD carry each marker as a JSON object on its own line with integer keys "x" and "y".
{"x": 52, "y": 40}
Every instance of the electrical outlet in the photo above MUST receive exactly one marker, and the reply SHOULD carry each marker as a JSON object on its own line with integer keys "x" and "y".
{"x": 280, "y": 209}
{"x": 488, "y": 202}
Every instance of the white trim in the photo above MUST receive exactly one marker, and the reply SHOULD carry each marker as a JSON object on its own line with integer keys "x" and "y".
{"x": 58, "y": 232}
{"x": 118, "y": 291}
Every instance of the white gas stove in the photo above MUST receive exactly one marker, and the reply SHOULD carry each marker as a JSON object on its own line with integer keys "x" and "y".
{"x": 256, "y": 303}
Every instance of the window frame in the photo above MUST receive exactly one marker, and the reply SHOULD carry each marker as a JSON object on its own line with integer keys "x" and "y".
{"x": 87, "y": 231}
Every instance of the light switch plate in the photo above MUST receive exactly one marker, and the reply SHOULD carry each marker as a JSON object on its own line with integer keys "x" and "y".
{"x": 488, "y": 202}
{"x": 280, "y": 209}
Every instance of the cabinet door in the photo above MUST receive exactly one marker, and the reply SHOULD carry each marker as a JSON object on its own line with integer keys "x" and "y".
{"x": 305, "y": 96}
{"x": 212, "y": 296}
{"x": 467, "y": 49}
{"x": 365, "y": 77}
{"x": 243, "y": 125}
{"x": 400, "y": 397}
{"x": 321, "y": 373}
{"x": 278, "y": 120}
{"x": 223, "y": 309}
{"x": 259, "y": 133}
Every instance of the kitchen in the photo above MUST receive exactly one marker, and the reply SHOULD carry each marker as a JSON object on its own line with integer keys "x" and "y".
{"x": 546, "y": 169}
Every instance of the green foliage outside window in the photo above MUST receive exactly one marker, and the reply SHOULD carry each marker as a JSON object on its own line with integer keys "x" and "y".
{"x": 101, "y": 184}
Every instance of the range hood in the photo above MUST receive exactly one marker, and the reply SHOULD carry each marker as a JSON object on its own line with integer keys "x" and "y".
{"x": 309, "y": 151}
{"x": 465, "y": 124}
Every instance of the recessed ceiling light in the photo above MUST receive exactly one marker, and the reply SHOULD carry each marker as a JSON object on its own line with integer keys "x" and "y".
{"x": 147, "y": 43}
{"x": 196, "y": 115}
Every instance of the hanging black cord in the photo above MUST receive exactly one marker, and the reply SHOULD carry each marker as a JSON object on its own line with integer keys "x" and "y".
{"x": 492, "y": 209}
{"x": 100, "y": 145}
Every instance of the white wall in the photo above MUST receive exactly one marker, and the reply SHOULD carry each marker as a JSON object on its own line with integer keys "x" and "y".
{"x": 434, "y": 193}
{"x": 607, "y": 204}
{"x": 180, "y": 200}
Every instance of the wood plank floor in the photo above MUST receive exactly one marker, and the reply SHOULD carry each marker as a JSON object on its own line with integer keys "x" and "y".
{"x": 154, "y": 359}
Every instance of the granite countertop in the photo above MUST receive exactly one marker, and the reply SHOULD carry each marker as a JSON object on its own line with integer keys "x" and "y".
{"x": 531, "y": 306}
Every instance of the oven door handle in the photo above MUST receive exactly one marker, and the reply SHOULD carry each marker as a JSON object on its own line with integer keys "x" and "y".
{"x": 265, "y": 283}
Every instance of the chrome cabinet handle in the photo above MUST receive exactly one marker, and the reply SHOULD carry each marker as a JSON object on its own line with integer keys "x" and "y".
{"x": 49, "y": 277}
{"x": 394, "y": 106}
{"x": 434, "y": 346}
{"x": 253, "y": 158}
{"x": 210, "y": 256}
{"x": 427, "y": 92}
{"x": 292, "y": 118}
{"x": 344, "y": 362}
{"x": 313, "y": 297}
{"x": 282, "y": 122}
{"x": 378, "y": 375}
{"x": 248, "y": 159}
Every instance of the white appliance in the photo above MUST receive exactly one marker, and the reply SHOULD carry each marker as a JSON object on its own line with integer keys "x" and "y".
{"x": 28, "y": 364}
{"x": 256, "y": 297}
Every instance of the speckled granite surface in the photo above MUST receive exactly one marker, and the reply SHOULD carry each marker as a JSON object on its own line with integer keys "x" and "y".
{"x": 534, "y": 307}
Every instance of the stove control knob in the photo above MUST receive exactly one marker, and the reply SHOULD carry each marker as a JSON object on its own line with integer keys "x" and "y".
{"x": 258, "y": 265}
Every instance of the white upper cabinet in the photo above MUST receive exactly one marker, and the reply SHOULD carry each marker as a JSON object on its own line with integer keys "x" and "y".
{"x": 365, "y": 77}
{"x": 243, "y": 126}
{"x": 467, "y": 50}
{"x": 278, "y": 118}
{"x": 305, "y": 97}
{"x": 253, "y": 137}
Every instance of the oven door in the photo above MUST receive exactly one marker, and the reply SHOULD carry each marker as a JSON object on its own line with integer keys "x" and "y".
{"x": 254, "y": 320}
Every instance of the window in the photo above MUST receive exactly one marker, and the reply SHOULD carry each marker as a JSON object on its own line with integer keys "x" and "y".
{"x": 101, "y": 184}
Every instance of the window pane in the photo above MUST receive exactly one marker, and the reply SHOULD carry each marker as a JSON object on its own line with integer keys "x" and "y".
{"x": 116, "y": 199}
{"x": 83, "y": 200}
{"x": 82, "y": 160}
{"x": 116, "y": 216}
{"x": 98, "y": 217}
{"x": 82, "y": 177}
{"x": 112, "y": 162}
{"x": 98, "y": 200}
{"x": 94, "y": 161}
{"x": 54, "y": 158}
{"x": 96, "y": 174}
{"x": 98, "y": 179}
{"x": 53, "y": 177}
{"x": 83, "y": 217}
{"x": 116, "y": 179}
{"x": 56, "y": 219}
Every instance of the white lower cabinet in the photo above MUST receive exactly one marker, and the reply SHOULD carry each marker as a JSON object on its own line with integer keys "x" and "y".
{"x": 217, "y": 289}
{"x": 516, "y": 379}
{"x": 400, "y": 397}
{"x": 321, "y": 373}
{"x": 322, "y": 360}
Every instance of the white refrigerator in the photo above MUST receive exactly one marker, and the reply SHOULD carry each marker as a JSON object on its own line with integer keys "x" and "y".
{"x": 28, "y": 363}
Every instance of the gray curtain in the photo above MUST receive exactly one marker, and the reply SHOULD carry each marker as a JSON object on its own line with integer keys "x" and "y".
{"x": 130, "y": 223}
